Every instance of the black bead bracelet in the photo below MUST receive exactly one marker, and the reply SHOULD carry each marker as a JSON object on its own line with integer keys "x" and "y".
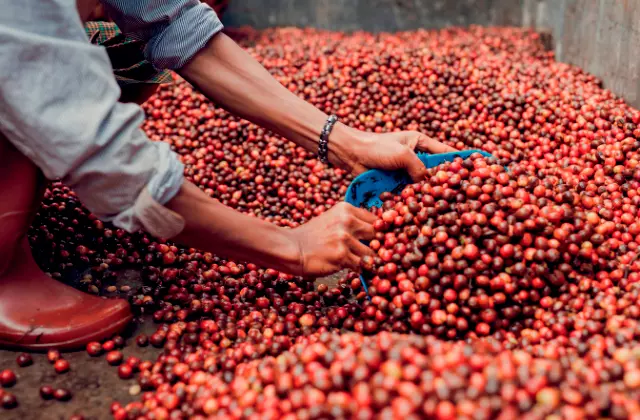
{"x": 323, "y": 144}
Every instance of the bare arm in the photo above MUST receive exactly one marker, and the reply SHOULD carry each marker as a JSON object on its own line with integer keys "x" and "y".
{"x": 212, "y": 226}
{"x": 323, "y": 246}
{"x": 231, "y": 77}
{"x": 227, "y": 74}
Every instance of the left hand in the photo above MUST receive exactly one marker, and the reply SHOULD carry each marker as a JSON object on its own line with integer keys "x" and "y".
{"x": 389, "y": 151}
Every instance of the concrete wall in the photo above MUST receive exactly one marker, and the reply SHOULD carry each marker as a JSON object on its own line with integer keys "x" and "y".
{"x": 601, "y": 36}
{"x": 372, "y": 15}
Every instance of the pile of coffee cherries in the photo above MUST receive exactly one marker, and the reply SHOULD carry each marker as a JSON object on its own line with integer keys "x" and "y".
{"x": 494, "y": 292}
{"x": 391, "y": 376}
{"x": 474, "y": 249}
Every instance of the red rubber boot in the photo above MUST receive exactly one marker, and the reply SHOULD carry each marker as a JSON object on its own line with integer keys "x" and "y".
{"x": 36, "y": 311}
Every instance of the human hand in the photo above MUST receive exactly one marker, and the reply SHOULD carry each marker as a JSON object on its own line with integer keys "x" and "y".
{"x": 331, "y": 241}
{"x": 361, "y": 151}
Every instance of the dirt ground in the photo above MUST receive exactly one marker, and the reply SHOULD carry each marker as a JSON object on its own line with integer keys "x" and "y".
{"x": 93, "y": 383}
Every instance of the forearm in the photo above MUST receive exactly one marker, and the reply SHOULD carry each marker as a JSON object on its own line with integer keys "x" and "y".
{"x": 232, "y": 78}
{"x": 213, "y": 227}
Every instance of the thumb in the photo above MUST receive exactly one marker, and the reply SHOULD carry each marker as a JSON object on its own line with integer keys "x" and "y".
{"x": 432, "y": 145}
{"x": 412, "y": 163}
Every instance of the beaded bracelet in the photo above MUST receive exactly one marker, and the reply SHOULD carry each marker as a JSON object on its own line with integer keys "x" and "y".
{"x": 323, "y": 144}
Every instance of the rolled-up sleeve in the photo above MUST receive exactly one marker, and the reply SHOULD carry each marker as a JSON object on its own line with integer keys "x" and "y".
{"x": 174, "y": 30}
{"x": 59, "y": 106}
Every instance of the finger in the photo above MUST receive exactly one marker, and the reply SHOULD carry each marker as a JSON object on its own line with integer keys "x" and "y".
{"x": 428, "y": 144}
{"x": 340, "y": 254}
{"x": 360, "y": 249}
{"x": 358, "y": 169}
{"x": 412, "y": 139}
{"x": 363, "y": 231}
{"x": 363, "y": 214}
{"x": 413, "y": 165}
{"x": 351, "y": 262}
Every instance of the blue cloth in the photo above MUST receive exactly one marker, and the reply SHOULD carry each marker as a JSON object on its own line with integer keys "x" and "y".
{"x": 59, "y": 99}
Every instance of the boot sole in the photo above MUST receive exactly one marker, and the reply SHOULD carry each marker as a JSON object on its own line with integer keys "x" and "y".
{"x": 76, "y": 343}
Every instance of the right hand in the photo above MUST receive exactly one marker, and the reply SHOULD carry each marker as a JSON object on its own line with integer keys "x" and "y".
{"x": 331, "y": 241}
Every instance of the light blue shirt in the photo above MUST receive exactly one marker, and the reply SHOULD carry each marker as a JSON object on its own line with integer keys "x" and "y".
{"x": 59, "y": 99}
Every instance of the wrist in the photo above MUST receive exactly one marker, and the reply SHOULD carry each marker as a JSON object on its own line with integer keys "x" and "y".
{"x": 287, "y": 252}
{"x": 345, "y": 144}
